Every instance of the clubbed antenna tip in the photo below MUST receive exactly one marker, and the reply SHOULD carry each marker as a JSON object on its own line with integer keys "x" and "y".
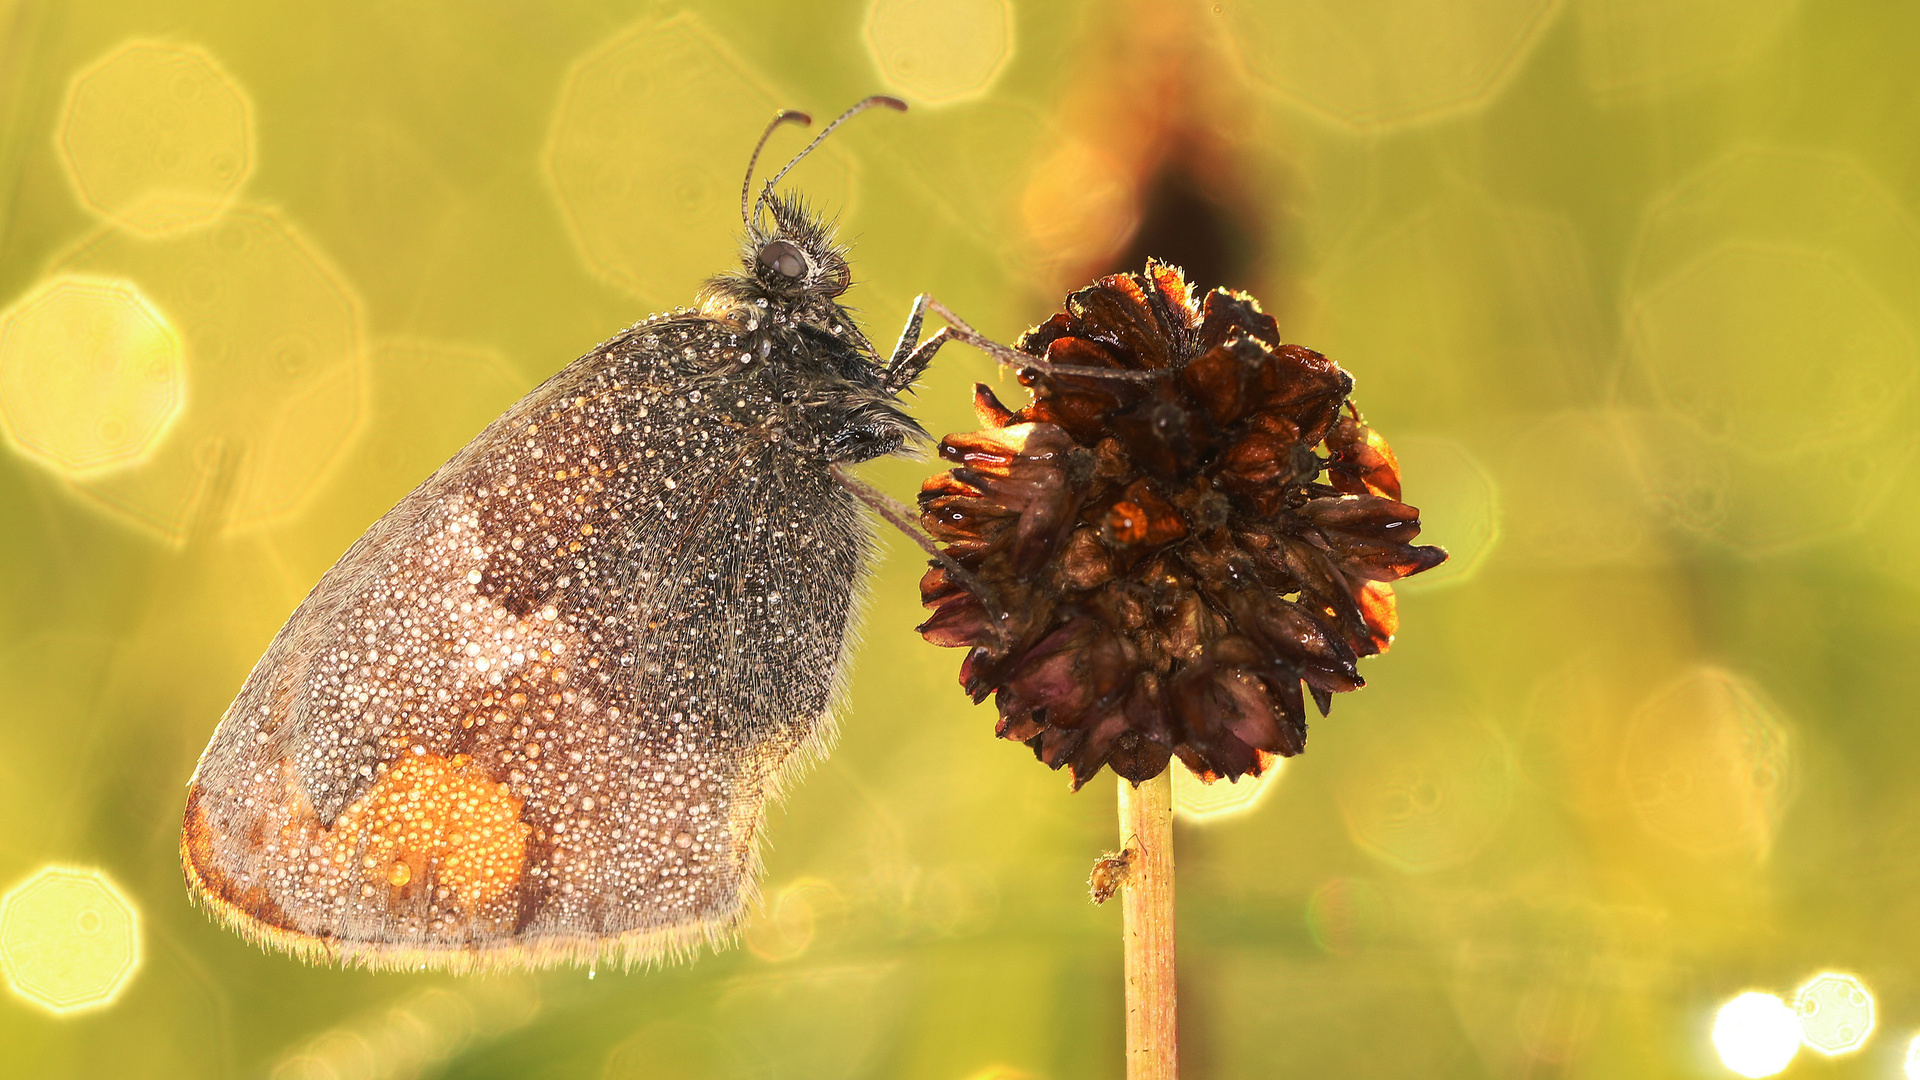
{"x": 859, "y": 107}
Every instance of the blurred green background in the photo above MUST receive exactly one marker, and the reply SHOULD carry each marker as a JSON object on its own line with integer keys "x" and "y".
{"x": 1633, "y": 287}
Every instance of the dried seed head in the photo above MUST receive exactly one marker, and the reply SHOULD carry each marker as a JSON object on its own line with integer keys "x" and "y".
{"x": 1167, "y": 561}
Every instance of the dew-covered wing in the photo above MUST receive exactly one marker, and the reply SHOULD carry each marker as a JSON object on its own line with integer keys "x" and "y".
{"x": 535, "y": 713}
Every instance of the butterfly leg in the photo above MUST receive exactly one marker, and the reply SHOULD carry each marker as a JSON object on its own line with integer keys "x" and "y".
{"x": 1014, "y": 358}
{"x": 911, "y": 355}
{"x": 902, "y": 517}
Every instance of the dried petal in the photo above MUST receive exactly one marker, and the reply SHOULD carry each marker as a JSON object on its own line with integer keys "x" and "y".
{"x": 987, "y": 408}
{"x": 1142, "y": 518}
{"x": 959, "y": 621}
{"x": 1361, "y": 461}
{"x": 1377, "y": 606}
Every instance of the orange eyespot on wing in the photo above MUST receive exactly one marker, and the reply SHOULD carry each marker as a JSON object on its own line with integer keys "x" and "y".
{"x": 430, "y": 855}
{"x": 436, "y": 819}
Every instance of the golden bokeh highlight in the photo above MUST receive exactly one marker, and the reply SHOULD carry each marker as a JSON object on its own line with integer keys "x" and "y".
{"x": 1623, "y": 637}
{"x": 939, "y": 51}
{"x": 1459, "y": 505}
{"x": 654, "y": 223}
{"x": 156, "y": 137}
{"x": 661, "y": 1050}
{"x": 1773, "y": 364}
{"x": 1707, "y": 335}
{"x": 1079, "y": 205}
{"x": 416, "y": 1035}
{"x": 1756, "y": 1034}
{"x": 1196, "y": 800}
{"x": 275, "y": 358}
{"x": 1381, "y": 63}
{"x": 1770, "y": 339}
{"x": 1913, "y": 1059}
{"x": 949, "y": 901}
{"x": 1429, "y": 791}
{"x": 1836, "y": 1013}
{"x": 1531, "y": 969}
{"x": 1639, "y": 48}
{"x": 1708, "y": 766}
{"x": 91, "y": 374}
{"x": 786, "y": 923}
{"x": 69, "y": 939}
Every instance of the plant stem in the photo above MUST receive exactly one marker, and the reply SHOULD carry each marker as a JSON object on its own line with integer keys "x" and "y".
{"x": 1146, "y": 835}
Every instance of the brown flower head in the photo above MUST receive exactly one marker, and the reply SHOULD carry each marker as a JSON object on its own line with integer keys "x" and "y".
{"x": 1167, "y": 560}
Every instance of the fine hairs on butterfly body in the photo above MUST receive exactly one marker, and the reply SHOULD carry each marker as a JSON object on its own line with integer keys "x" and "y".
{"x": 536, "y": 713}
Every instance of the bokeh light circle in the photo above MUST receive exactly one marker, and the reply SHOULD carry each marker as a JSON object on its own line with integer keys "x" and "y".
{"x": 69, "y": 940}
{"x": 652, "y": 222}
{"x": 1379, "y": 65}
{"x": 939, "y": 51}
{"x": 1756, "y": 1034}
{"x": 1836, "y": 1013}
{"x": 156, "y": 137}
{"x": 1196, "y": 800}
{"x": 1709, "y": 765}
{"x": 272, "y": 334}
{"x": 92, "y": 375}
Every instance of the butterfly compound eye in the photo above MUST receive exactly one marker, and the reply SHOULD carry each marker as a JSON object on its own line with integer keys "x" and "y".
{"x": 784, "y": 259}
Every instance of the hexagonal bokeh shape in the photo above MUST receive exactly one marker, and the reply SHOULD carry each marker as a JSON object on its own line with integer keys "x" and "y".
{"x": 1459, "y": 504}
{"x": 939, "y": 51}
{"x": 1572, "y": 494}
{"x": 276, "y": 361}
{"x": 1430, "y": 790}
{"x": 1708, "y": 766}
{"x": 156, "y": 137}
{"x": 1770, "y": 349}
{"x": 646, "y": 152}
{"x": 1197, "y": 800}
{"x": 91, "y": 374}
{"x": 69, "y": 940}
{"x": 1769, "y": 341}
{"x": 1382, "y": 63}
{"x": 1836, "y": 1013}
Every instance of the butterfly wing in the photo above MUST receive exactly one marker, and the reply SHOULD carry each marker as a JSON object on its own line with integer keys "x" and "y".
{"x": 534, "y": 715}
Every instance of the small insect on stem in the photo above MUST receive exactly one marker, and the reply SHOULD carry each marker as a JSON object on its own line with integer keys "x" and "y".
{"x": 1108, "y": 875}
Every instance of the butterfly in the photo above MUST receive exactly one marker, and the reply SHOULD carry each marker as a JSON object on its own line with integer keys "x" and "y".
{"x": 536, "y": 713}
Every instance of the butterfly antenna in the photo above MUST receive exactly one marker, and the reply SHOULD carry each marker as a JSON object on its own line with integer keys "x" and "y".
{"x": 786, "y": 116}
{"x": 859, "y": 107}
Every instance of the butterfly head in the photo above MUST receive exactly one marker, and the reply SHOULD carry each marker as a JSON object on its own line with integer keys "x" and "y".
{"x": 785, "y": 296}
{"x": 791, "y": 254}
